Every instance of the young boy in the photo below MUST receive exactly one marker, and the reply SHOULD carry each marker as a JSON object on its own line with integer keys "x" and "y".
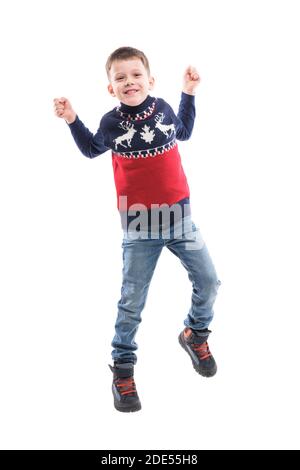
{"x": 153, "y": 201}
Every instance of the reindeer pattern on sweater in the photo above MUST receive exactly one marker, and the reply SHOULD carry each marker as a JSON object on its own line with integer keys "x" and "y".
{"x": 143, "y": 141}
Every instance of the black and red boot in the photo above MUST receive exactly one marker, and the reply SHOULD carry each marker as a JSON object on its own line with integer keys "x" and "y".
{"x": 123, "y": 387}
{"x": 195, "y": 344}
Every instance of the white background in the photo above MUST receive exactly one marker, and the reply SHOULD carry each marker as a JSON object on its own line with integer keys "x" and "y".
{"x": 61, "y": 255}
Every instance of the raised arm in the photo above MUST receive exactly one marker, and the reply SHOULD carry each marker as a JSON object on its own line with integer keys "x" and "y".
{"x": 187, "y": 111}
{"x": 89, "y": 144}
{"x": 185, "y": 117}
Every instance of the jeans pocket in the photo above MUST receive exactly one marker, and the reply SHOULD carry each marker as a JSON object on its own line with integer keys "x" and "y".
{"x": 194, "y": 236}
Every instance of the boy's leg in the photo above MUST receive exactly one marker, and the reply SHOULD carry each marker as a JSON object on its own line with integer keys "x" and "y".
{"x": 139, "y": 260}
{"x": 193, "y": 254}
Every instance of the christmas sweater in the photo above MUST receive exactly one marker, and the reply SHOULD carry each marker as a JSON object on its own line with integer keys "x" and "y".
{"x": 145, "y": 157}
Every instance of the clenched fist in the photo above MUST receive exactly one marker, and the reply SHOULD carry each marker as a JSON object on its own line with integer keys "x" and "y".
{"x": 191, "y": 80}
{"x": 63, "y": 109}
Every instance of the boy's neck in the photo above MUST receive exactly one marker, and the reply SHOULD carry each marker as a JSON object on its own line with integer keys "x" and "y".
{"x": 125, "y": 108}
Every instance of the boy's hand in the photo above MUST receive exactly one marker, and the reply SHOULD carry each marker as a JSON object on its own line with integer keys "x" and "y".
{"x": 191, "y": 80}
{"x": 63, "y": 109}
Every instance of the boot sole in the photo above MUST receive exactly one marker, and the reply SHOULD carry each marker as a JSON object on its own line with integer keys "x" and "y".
{"x": 127, "y": 409}
{"x": 204, "y": 373}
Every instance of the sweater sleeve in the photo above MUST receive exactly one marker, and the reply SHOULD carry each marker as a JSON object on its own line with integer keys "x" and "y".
{"x": 90, "y": 145}
{"x": 184, "y": 121}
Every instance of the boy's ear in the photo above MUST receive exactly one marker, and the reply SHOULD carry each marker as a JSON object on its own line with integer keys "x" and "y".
{"x": 151, "y": 83}
{"x": 110, "y": 90}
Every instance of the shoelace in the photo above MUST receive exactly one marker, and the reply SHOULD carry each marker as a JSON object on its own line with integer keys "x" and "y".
{"x": 126, "y": 386}
{"x": 202, "y": 350}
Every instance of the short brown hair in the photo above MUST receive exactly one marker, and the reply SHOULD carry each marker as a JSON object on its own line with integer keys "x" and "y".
{"x": 125, "y": 53}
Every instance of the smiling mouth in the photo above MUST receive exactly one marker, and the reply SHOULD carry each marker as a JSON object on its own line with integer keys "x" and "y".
{"x": 131, "y": 92}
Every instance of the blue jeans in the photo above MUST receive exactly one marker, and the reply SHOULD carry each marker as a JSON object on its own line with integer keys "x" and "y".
{"x": 140, "y": 256}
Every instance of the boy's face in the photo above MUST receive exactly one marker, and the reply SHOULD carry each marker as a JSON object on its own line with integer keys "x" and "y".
{"x": 129, "y": 81}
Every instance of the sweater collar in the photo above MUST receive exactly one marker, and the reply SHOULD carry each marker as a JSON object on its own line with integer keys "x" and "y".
{"x": 138, "y": 112}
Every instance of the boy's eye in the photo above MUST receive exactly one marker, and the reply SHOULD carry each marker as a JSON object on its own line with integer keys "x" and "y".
{"x": 118, "y": 79}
